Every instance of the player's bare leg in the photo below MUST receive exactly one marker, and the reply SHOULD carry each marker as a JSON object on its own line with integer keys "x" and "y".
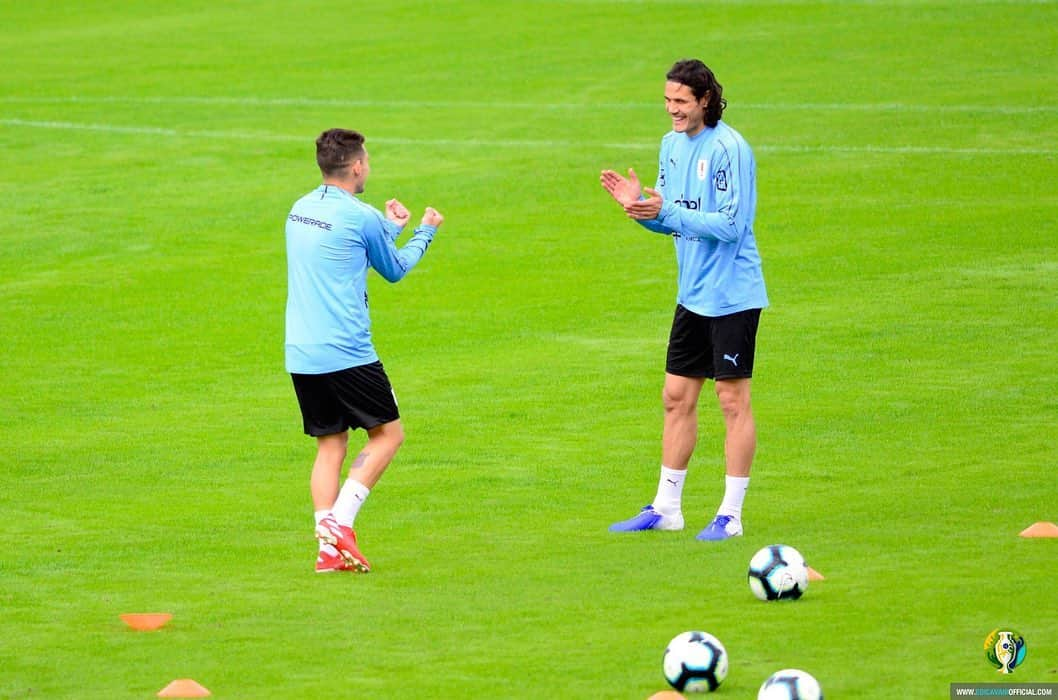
{"x": 740, "y": 438}
{"x": 323, "y": 485}
{"x": 680, "y": 399}
{"x": 382, "y": 444}
{"x": 740, "y": 444}
{"x": 327, "y": 469}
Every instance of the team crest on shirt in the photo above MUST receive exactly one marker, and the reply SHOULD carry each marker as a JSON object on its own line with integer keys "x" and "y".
{"x": 703, "y": 168}
{"x": 721, "y": 181}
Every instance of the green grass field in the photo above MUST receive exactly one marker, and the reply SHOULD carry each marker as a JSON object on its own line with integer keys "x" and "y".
{"x": 151, "y": 455}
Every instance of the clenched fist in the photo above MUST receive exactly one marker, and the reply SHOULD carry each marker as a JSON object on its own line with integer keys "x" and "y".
{"x": 397, "y": 212}
{"x": 432, "y": 217}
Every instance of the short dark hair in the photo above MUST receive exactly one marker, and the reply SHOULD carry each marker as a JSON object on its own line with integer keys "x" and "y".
{"x": 336, "y": 149}
{"x": 697, "y": 76}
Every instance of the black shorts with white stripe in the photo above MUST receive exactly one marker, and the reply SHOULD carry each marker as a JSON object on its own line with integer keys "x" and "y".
{"x": 357, "y": 397}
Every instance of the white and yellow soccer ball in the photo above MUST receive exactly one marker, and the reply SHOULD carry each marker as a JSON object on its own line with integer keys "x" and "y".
{"x": 778, "y": 572}
{"x": 695, "y": 662}
{"x": 790, "y": 684}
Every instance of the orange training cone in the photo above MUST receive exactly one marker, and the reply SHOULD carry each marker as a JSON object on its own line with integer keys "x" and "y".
{"x": 145, "y": 622}
{"x": 1040, "y": 529}
{"x": 183, "y": 688}
{"x": 814, "y": 575}
{"x": 666, "y": 695}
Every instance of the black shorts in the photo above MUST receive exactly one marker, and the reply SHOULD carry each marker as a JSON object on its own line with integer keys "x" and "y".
{"x": 358, "y": 397}
{"x": 716, "y": 347}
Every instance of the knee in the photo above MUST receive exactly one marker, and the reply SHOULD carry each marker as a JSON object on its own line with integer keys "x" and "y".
{"x": 392, "y": 434}
{"x": 676, "y": 401}
{"x": 733, "y": 400}
{"x": 333, "y": 448}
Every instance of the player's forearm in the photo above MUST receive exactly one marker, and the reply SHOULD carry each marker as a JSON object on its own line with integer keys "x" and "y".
{"x": 391, "y": 228}
{"x": 400, "y": 261}
{"x": 416, "y": 246}
{"x": 719, "y": 225}
{"x": 654, "y": 225}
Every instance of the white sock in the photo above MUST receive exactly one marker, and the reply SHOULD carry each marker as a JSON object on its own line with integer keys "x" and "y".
{"x": 669, "y": 498}
{"x": 735, "y": 488}
{"x": 350, "y": 498}
{"x": 320, "y": 515}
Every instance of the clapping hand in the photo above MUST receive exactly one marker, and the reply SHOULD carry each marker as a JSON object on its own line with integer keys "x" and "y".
{"x": 623, "y": 189}
{"x": 645, "y": 209}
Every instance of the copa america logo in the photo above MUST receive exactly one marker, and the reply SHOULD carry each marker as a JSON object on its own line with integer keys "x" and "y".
{"x": 1005, "y": 649}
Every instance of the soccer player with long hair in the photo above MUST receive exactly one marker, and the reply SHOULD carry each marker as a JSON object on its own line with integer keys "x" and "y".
{"x": 705, "y": 198}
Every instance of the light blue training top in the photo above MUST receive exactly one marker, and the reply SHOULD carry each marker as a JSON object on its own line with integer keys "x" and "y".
{"x": 708, "y": 183}
{"x": 332, "y": 238}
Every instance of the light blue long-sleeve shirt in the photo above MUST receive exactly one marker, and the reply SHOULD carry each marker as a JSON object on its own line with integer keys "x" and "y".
{"x": 332, "y": 238}
{"x": 708, "y": 184}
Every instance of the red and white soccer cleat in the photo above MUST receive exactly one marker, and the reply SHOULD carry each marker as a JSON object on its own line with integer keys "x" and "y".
{"x": 329, "y": 560}
{"x": 344, "y": 540}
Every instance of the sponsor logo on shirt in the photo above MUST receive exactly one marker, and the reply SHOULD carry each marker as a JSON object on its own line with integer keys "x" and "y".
{"x": 310, "y": 222}
{"x": 691, "y": 237}
{"x": 693, "y": 204}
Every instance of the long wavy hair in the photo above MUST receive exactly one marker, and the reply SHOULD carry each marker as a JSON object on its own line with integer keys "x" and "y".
{"x": 697, "y": 76}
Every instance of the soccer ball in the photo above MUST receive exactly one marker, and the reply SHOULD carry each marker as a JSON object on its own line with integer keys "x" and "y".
{"x": 790, "y": 684}
{"x": 695, "y": 662}
{"x": 778, "y": 572}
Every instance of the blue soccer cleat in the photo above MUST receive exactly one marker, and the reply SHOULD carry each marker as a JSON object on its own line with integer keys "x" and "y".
{"x": 649, "y": 519}
{"x": 722, "y": 528}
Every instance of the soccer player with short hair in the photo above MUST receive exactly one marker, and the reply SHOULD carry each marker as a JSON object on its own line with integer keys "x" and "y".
{"x": 332, "y": 239}
{"x": 705, "y": 198}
